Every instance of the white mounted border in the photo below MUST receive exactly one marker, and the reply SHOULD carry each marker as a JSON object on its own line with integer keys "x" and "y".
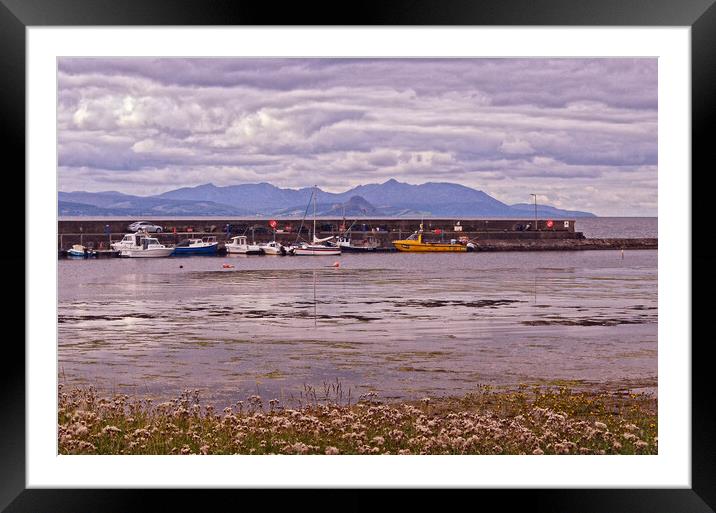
{"x": 670, "y": 468}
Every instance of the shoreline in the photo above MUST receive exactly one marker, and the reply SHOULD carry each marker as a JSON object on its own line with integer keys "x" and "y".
{"x": 528, "y": 420}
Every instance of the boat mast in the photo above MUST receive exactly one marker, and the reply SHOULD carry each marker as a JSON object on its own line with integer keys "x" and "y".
{"x": 315, "y": 188}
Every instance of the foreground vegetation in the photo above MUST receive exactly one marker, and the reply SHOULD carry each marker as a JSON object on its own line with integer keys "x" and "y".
{"x": 539, "y": 420}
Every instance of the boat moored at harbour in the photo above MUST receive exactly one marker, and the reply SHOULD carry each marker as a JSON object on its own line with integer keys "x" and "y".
{"x": 314, "y": 249}
{"x": 148, "y": 247}
{"x": 129, "y": 241}
{"x": 272, "y": 248}
{"x": 345, "y": 243}
{"x": 205, "y": 246}
{"x": 240, "y": 245}
{"x": 80, "y": 251}
{"x": 416, "y": 244}
{"x": 318, "y": 246}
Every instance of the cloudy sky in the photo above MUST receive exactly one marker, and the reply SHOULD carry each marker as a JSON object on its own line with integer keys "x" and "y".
{"x": 582, "y": 133}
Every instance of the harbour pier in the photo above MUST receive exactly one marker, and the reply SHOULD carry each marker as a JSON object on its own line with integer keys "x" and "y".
{"x": 488, "y": 234}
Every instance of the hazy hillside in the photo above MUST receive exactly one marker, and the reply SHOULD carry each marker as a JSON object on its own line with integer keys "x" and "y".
{"x": 388, "y": 199}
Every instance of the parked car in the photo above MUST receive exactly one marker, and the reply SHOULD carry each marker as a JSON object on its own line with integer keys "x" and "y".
{"x": 145, "y": 226}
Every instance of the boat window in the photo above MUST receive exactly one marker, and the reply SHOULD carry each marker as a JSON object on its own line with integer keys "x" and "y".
{"x": 413, "y": 237}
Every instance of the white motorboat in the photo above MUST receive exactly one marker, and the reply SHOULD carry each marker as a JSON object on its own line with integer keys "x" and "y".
{"x": 148, "y": 247}
{"x": 240, "y": 245}
{"x": 130, "y": 241}
{"x": 272, "y": 248}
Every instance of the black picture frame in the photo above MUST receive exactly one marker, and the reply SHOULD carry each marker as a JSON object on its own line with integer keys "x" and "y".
{"x": 700, "y": 15}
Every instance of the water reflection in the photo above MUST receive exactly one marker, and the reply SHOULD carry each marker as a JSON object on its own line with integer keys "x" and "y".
{"x": 405, "y": 326}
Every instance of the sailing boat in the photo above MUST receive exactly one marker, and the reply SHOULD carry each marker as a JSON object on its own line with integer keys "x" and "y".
{"x": 316, "y": 247}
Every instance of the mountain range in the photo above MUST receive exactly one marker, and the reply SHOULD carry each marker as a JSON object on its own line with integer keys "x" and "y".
{"x": 389, "y": 199}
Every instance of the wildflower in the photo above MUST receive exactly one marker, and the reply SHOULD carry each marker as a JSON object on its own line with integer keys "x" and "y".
{"x": 204, "y": 449}
{"x": 81, "y": 429}
{"x": 332, "y": 450}
{"x": 110, "y": 430}
{"x": 185, "y": 449}
{"x": 86, "y": 446}
{"x": 378, "y": 440}
{"x": 600, "y": 425}
{"x": 538, "y": 451}
{"x": 299, "y": 448}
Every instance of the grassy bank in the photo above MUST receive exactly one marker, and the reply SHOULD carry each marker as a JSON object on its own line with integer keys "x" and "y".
{"x": 525, "y": 421}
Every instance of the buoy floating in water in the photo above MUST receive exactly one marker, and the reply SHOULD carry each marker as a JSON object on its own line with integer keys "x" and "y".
{"x": 336, "y": 264}
{"x": 227, "y": 266}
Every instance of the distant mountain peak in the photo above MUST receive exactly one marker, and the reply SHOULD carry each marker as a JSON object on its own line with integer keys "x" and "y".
{"x": 390, "y": 198}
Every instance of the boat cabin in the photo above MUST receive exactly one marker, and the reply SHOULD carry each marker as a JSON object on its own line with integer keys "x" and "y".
{"x": 148, "y": 242}
{"x": 188, "y": 242}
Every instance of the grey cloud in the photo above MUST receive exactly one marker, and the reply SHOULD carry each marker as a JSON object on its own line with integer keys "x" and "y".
{"x": 158, "y": 124}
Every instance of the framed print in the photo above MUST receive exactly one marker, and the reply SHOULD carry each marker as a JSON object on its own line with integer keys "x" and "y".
{"x": 414, "y": 247}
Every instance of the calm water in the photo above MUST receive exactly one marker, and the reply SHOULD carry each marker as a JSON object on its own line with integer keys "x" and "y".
{"x": 403, "y": 325}
{"x": 619, "y": 227}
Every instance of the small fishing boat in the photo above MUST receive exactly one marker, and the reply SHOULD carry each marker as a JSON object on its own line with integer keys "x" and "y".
{"x": 416, "y": 244}
{"x": 80, "y": 251}
{"x": 345, "y": 244}
{"x": 205, "y": 246}
{"x": 272, "y": 248}
{"x": 240, "y": 245}
{"x": 149, "y": 247}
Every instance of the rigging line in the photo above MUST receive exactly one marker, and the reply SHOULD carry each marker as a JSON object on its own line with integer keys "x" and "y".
{"x": 298, "y": 235}
{"x": 349, "y": 228}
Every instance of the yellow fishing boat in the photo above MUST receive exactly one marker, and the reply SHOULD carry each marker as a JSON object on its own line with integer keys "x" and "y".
{"x": 416, "y": 244}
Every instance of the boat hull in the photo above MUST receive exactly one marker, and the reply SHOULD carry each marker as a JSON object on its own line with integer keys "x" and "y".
{"x": 80, "y": 254}
{"x": 147, "y": 253}
{"x": 243, "y": 251}
{"x": 204, "y": 250}
{"x": 411, "y": 246}
{"x": 315, "y": 251}
{"x": 269, "y": 250}
{"x": 357, "y": 249}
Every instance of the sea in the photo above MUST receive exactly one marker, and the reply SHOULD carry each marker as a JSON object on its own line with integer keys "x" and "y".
{"x": 400, "y": 326}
